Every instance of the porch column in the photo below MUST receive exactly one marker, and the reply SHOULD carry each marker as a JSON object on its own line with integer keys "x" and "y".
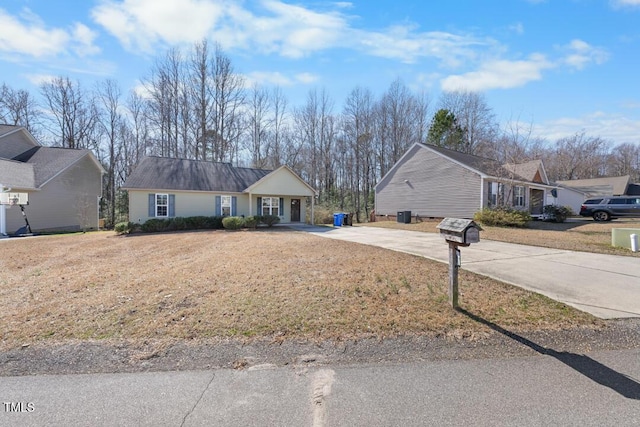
{"x": 312, "y": 212}
{"x": 3, "y": 221}
{"x": 250, "y": 204}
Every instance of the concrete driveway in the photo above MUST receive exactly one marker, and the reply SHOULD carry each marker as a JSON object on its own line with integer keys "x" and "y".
{"x": 607, "y": 286}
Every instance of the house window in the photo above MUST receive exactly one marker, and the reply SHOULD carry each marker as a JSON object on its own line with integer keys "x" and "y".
{"x": 496, "y": 193}
{"x": 518, "y": 196}
{"x": 162, "y": 205}
{"x": 271, "y": 206}
{"x": 225, "y": 205}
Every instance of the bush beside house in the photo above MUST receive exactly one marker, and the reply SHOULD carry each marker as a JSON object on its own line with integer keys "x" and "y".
{"x": 502, "y": 217}
{"x": 156, "y": 225}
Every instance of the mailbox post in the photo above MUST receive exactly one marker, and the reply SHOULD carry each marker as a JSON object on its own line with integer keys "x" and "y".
{"x": 457, "y": 232}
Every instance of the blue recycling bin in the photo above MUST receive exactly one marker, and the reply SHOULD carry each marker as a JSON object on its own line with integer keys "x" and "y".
{"x": 338, "y": 219}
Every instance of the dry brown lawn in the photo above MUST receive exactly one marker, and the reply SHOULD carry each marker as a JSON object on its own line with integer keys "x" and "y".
{"x": 276, "y": 284}
{"x": 577, "y": 234}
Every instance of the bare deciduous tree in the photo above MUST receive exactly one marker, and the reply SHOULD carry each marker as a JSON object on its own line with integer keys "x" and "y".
{"x": 474, "y": 116}
{"x": 73, "y": 111}
{"x": 19, "y": 108}
{"x": 258, "y": 126}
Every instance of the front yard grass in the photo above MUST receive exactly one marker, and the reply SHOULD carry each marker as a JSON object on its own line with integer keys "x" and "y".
{"x": 276, "y": 284}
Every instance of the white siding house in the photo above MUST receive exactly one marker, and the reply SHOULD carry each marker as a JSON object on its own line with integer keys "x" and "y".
{"x": 161, "y": 187}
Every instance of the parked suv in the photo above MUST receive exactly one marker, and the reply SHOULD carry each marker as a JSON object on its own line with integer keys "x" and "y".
{"x": 609, "y": 207}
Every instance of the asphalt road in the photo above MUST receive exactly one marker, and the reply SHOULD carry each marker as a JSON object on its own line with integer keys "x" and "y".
{"x": 606, "y": 286}
{"x": 598, "y": 389}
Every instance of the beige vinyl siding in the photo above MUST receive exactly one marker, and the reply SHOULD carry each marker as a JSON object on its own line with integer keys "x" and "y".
{"x": 429, "y": 185}
{"x": 283, "y": 183}
{"x": 67, "y": 202}
{"x": 203, "y": 204}
{"x": 186, "y": 203}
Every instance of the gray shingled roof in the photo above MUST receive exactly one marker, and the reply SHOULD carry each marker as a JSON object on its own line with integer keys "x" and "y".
{"x": 49, "y": 161}
{"x": 162, "y": 173}
{"x": 527, "y": 170}
{"x": 17, "y": 175}
{"x": 615, "y": 185}
{"x": 486, "y": 166}
{"x": 4, "y": 129}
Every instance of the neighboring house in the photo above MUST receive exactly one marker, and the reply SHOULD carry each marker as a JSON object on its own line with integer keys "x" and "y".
{"x": 573, "y": 192}
{"x": 161, "y": 187}
{"x": 64, "y": 185}
{"x": 436, "y": 182}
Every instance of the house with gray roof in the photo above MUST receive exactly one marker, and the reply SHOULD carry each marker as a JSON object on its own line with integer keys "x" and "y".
{"x": 436, "y": 182}
{"x": 161, "y": 187}
{"x": 573, "y": 192}
{"x": 63, "y": 185}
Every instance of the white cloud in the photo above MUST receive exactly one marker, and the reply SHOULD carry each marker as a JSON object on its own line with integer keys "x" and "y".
{"x": 499, "y": 74}
{"x": 30, "y": 36}
{"x": 268, "y": 78}
{"x": 274, "y": 26}
{"x": 295, "y": 31}
{"x": 279, "y": 79}
{"x": 611, "y": 127}
{"x": 306, "y": 78}
{"x": 517, "y": 28}
{"x": 83, "y": 38}
{"x": 625, "y": 3}
{"x": 38, "y": 79}
{"x": 403, "y": 43}
{"x": 580, "y": 54}
{"x": 291, "y": 30}
{"x": 139, "y": 24}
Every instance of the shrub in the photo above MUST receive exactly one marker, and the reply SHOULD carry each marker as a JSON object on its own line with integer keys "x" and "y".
{"x": 502, "y": 217}
{"x": 556, "y": 213}
{"x": 251, "y": 221}
{"x": 270, "y": 220}
{"x": 177, "y": 223}
{"x": 196, "y": 222}
{"x": 232, "y": 222}
{"x": 214, "y": 223}
{"x": 125, "y": 227}
{"x": 154, "y": 225}
{"x": 324, "y": 214}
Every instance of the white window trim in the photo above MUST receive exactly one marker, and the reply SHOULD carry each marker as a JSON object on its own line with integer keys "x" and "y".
{"x": 497, "y": 193}
{"x": 271, "y": 205}
{"x": 158, "y": 205}
{"x": 519, "y": 196}
{"x": 225, "y": 205}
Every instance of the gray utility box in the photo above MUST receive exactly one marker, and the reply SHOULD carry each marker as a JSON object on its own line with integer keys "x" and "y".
{"x": 404, "y": 217}
{"x": 462, "y": 231}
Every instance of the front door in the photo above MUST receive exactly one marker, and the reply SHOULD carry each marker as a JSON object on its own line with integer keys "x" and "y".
{"x": 536, "y": 202}
{"x": 295, "y": 210}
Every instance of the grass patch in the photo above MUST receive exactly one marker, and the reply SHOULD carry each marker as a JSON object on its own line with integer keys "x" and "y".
{"x": 272, "y": 283}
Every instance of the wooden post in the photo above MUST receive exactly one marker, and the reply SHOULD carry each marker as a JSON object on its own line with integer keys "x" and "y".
{"x": 453, "y": 274}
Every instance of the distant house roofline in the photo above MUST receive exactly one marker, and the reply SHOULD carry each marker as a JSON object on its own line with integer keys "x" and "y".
{"x": 483, "y": 166}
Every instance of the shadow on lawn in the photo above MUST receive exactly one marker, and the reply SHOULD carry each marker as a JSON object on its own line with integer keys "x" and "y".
{"x": 588, "y": 367}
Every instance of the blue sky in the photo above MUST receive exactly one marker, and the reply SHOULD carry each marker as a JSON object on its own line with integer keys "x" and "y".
{"x": 564, "y": 66}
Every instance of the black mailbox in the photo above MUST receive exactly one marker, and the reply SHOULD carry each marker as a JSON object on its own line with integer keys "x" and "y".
{"x": 462, "y": 231}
